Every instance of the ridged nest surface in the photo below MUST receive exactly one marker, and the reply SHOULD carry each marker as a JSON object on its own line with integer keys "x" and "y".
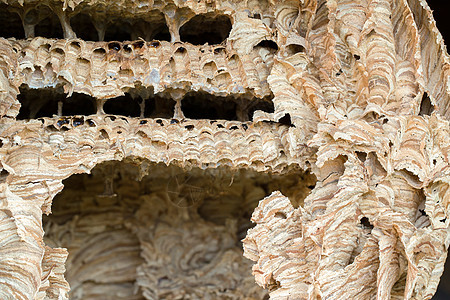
{"x": 161, "y": 124}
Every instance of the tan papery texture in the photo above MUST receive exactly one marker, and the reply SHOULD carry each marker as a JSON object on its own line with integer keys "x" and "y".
{"x": 351, "y": 169}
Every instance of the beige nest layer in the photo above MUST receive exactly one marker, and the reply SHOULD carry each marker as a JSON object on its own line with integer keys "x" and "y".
{"x": 332, "y": 113}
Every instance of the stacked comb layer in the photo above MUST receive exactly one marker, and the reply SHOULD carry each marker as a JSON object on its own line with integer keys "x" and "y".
{"x": 333, "y": 113}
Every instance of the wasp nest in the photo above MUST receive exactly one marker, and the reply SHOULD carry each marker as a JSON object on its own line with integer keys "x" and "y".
{"x": 138, "y": 137}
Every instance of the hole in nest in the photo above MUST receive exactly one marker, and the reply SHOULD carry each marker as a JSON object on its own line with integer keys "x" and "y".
{"x": 10, "y": 24}
{"x": 362, "y": 156}
{"x": 100, "y": 52}
{"x": 155, "y": 44}
{"x": 280, "y": 215}
{"x": 366, "y": 223}
{"x": 3, "y": 175}
{"x": 206, "y": 28}
{"x": 77, "y": 46}
{"x": 50, "y": 26}
{"x": 38, "y": 103}
{"x": 127, "y": 48}
{"x": 265, "y": 105}
{"x": 294, "y": 49}
{"x": 138, "y": 44}
{"x": 159, "y": 107}
{"x": 114, "y": 46}
{"x": 58, "y": 51}
{"x": 104, "y": 134}
{"x": 206, "y": 106}
{"x": 409, "y": 176}
{"x": 83, "y": 27}
{"x": 176, "y": 211}
{"x": 286, "y": 120}
{"x": 62, "y": 122}
{"x": 268, "y": 44}
{"x": 91, "y": 123}
{"x": 119, "y": 30}
{"x": 79, "y": 104}
{"x": 219, "y": 50}
{"x": 123, "y": 106}
{"x": 181, "y": 50}
{"x": 77, "y": 122}
{"x": 153, "y": 28}
{"x": 426, "y": 107}
{"x": 255, "y": 16}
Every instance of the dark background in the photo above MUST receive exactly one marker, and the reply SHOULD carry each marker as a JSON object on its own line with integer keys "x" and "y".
{"x": 441, "y": 10}
{"x": 441, "y": 13}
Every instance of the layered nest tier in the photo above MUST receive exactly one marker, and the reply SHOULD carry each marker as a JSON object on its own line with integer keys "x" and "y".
{"x": 148, "y": 146}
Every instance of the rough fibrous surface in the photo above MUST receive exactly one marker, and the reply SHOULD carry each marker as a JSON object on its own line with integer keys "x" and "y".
{"x": 352, "y": 91}
{"x": 166, "y": 231}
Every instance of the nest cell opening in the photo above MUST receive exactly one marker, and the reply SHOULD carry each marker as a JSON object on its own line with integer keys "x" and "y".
{"x": 124, "y": 106}
{"x": 426, "y": 107}
{"x": 38, "y": 21}
{"x": 135, "y": 229}
{"x": 206, "y": 28}
{"x": 268, "y": 44}
{"x": 159, "y": 107}
{"x": 10, "y": 24}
